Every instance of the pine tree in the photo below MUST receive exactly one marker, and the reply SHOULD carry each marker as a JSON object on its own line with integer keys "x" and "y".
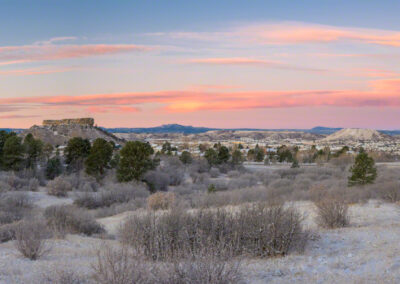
{"x": 33, "y": 149}
{"x": 363, "y": 171}
{"x": 76, "y": 152}
{"x": 13, "y": 152}
{"x": 135, "y": 161}
{"x": 186, "y": 157}
{"x": 54, "y": 168}
{"x": 237, "y": 157}
{"x": 99, "y": 158}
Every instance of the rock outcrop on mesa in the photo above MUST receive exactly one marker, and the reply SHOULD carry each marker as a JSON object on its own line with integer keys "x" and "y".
{"x": 58, "y": 132}
{"x": 357, "y": 134}
{"x": 87, "y": 121}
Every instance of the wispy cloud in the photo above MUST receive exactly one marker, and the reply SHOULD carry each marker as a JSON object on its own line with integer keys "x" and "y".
{"x": 49, "y": 52}
{"x": 244, "y": 61}
{"x": 287, "y": 33}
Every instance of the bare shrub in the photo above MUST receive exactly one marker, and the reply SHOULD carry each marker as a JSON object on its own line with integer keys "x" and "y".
{"x": 31, "y": 239}
{"x": 119, "y": 266}
{"x": 59, "y": 187}
{"x": 258, "y": 230}
{"x": 161, "y": 201}
{"x": 118, "y": 208}
{"x": 332, "y": 213}
{"x": 33, "y": 184}
{"x": 121, "y": 193}
{"x": 7, "y": 232}
{"x": 157, "y": 180}
{"x": 214, "y": 172}
{"x": 14, "y": 206}
{"x": 64, "y": 219}
{"x": 63, "y": 276}
{"x": 389, "y": 191}
{"x": 206, "y": 269}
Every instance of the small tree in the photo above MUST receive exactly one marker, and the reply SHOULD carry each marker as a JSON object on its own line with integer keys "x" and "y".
{"x": 99, "y": 158}
{"x": 211, "y": 156}
{"x": 295, "y": 164}
{"x": 13, "y": 152}
{"x": 186, "y": 157}
{"x": 135, "y": 161}
{"x": 54, "y": 168}
{"x": 4, "y": 135}
{"x": 223, "y": 155}
{"x": 33, "y": 149}
{"x": 237, "y": 157}
{"x": 363, "y": 171}
{"x": 76, "y": 152}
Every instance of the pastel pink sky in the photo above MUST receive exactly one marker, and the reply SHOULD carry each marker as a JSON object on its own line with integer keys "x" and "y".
{"x": 254, "y": 75}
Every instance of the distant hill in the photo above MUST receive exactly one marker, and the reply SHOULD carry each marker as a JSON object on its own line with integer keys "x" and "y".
{"x": 323, "y": 130}
{"x": 166, "y": 128}
{"x": 16, "y": 130}
{"x": 357, "y": 134}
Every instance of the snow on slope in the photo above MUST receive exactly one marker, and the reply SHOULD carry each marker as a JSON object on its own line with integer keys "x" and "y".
{"x": 357, "y": 134}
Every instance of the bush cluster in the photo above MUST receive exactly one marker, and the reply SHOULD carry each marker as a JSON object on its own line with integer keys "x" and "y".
{"x": 65, "y": 219}
{"x": 258, "y": 230}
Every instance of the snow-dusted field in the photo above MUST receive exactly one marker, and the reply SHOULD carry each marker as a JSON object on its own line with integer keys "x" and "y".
{"x": 366, "y": 252}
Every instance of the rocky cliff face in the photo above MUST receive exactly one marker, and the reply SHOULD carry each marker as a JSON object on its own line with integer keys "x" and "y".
{"x": 70, "y": 121}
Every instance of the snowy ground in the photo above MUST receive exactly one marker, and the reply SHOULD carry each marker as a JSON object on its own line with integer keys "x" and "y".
{"x": 366, "y": 252}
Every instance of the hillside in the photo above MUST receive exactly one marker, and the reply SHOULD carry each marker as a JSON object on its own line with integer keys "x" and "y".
{"x": 58, "y": 134}
{"x": 357, "y": 134}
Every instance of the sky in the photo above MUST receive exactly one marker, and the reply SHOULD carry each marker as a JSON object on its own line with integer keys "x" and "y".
{"x": 228, "y": 64}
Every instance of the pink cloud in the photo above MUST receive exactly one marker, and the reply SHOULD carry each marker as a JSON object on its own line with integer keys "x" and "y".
{"x": 32, "y": 71}
{"x": 244, "y": 61}
{"x": 19, "y": 54}
{"x": 383, "y": 93}
{"x": 292, "y": 33}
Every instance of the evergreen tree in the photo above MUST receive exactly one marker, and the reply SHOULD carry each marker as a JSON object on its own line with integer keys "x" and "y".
{"x": 363, "y": 171}
{"x": 4, "y": 135}
{"x": 223, "y": 155}
{"x": 135, "y": 161}
{"x": 13, "y": 153}
{"x": 186, "y": 157}
{"x": 237, "y": 157}
{"x": 33, "y": 149}
{"x": 99, "y": 158}
{"x": 76, "y": 152}
{"x": 211, "y": 156}
{"x": 53, "y": 168}
{"x": 295, "y": 164}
